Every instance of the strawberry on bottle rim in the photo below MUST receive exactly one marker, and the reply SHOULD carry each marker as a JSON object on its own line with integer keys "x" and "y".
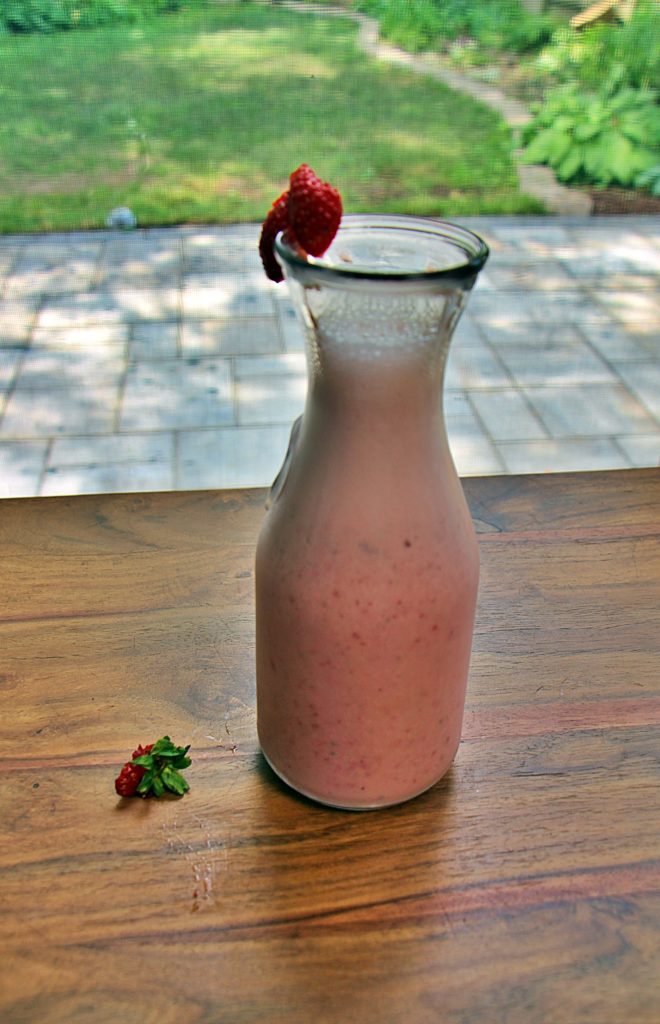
{"x": 309, "y": 213}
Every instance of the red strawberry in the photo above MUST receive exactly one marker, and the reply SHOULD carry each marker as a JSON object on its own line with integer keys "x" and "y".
{"x": 129, "y": 779}
{"x": 131, "y": 774}
{"x": 141, "y": 751}
{"x": 277, "y": 220}
{"x": 314, "y": 210}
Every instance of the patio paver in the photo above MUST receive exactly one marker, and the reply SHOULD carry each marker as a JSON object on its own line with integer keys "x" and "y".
{"x": 164, "y": 358}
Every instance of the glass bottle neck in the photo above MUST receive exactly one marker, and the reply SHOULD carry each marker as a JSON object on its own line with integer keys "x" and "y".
{"x": 392, "y": 387}
{"x": 379, "y": 357}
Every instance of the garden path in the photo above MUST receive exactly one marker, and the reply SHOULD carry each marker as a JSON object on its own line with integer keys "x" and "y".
{"x": 535, "y": 180}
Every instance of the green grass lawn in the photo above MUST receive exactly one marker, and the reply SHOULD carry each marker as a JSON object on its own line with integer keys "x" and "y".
{"x": 200, "y": 116}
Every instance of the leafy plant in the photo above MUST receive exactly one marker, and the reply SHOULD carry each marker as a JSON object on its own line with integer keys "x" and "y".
{"x": 24, "y": 16}
{"x": 650, "y": 179}
{"x": 630, "y": 48}
{"x": 496, "y": 25}
{"x": 507, "y": 25}
{"x": 412, "y": 24}
{"x": 606, "y": 138}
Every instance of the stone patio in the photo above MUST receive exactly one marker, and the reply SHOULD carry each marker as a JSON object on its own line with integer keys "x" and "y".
{"x": 161, "y": 359}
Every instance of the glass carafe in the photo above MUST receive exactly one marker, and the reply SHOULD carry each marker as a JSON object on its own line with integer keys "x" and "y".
{"x": 367, "y": 565}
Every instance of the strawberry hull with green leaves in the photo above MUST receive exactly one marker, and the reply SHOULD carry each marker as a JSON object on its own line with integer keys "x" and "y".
{"x": 309, "y": 214}
{"x": 154, "y": 770}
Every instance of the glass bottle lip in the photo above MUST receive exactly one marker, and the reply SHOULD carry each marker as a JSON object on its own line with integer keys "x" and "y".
{"x": 471, "y": 252}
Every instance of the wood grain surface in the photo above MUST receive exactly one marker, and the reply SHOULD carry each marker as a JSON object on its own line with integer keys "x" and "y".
{"x": 524, "y": 888}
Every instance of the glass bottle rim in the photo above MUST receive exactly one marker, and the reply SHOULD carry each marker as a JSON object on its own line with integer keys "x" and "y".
{"x": 471, "y": 252}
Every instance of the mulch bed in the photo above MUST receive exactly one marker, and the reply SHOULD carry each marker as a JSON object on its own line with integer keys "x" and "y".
{"x": 609, "y": 201}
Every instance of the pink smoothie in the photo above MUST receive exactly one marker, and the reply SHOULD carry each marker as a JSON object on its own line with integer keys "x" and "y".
{"x": 367, "y": 573}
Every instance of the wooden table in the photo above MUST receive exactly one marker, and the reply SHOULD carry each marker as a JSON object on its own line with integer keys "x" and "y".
{"x": 525, "y": 888}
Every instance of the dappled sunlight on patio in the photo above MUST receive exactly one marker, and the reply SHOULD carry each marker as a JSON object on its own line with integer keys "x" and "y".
{"x": 165, "y": 359}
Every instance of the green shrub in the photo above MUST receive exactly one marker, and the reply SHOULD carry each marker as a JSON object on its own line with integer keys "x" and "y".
{"x": 635, "y": 46}
{"x": 412, "y": 24}
{"x": 497, "y": 24}
{"x": 650, "y": 179}
{"x": 632, "y": 49}
{"x": 57, "y": 15}
{"x": 605, "y": 138}
{"x": 507, "y": 25}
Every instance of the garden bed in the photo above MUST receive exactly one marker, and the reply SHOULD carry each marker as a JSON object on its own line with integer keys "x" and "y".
{"x": 592, "y": 93}
{"x": 610, "y": 201}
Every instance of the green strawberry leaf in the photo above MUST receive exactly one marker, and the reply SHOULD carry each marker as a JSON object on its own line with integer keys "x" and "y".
{"x": 146, "y": 783}
{"x": 162, "y": 767}
{"x": 158, "y": 786}
{"x": 145, "y": 760}
{"x": 174, "y": 782}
